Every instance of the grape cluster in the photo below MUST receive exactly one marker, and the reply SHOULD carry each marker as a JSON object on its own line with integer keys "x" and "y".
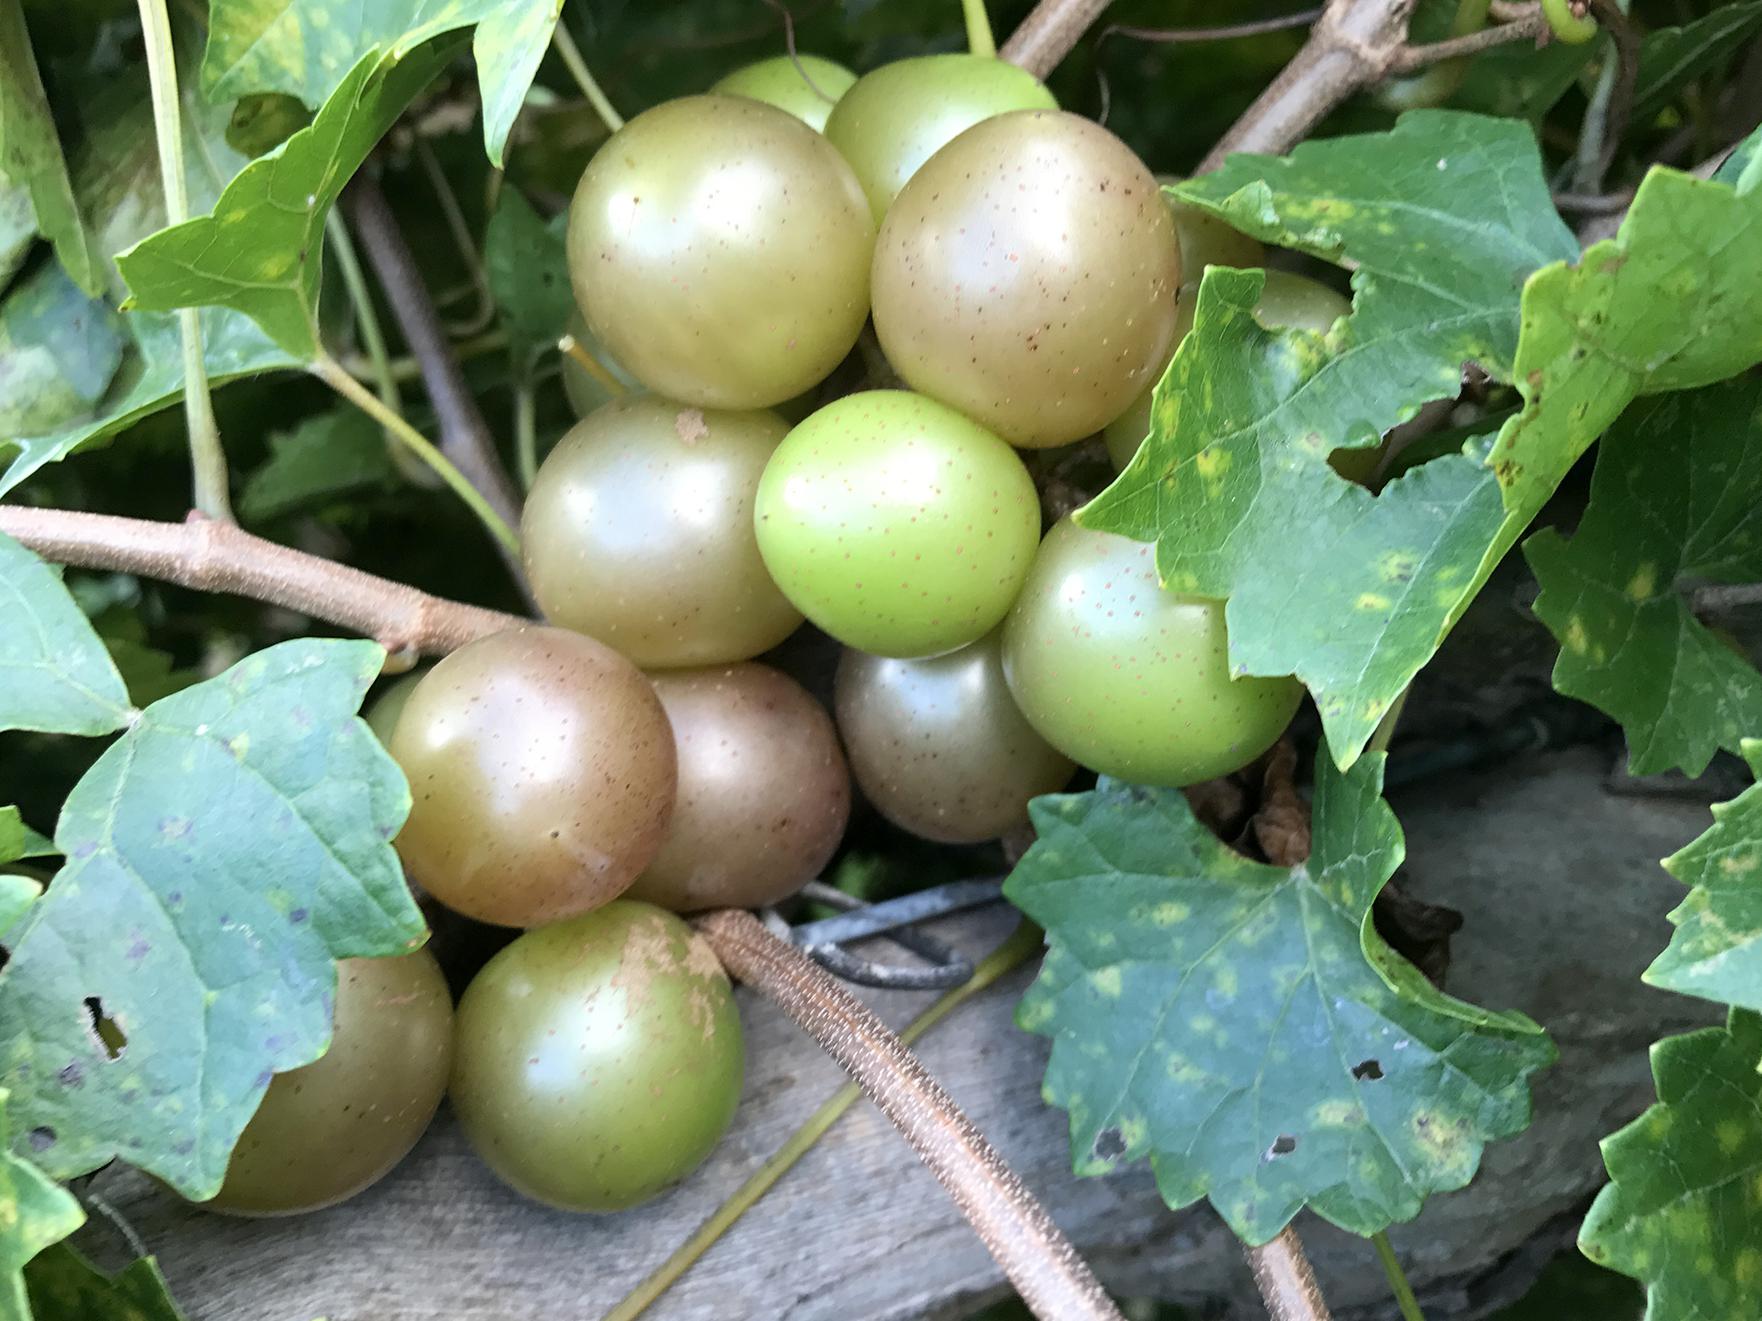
{"x": 588, "y": 779}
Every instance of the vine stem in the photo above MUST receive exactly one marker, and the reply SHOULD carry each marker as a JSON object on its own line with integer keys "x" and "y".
{"x": 207, "y": 458}
{"x": 1286, "y": 1280}
{"x": 1021, "y": 946}
{"x": 979, "y": 38}
{"x": 1034, "y": 1253}
{"x": 1398, "y": 1284}
{"x": 331, "y": 372}
{"x": 1048, "y": 34}
{"x": 584, "y": 78}
{"x": 212, "y": 556}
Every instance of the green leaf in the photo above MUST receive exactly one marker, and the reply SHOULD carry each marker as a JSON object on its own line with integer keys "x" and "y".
{"x": 1672, "y": 57}
{"x": 1683, "y": 1209}
{"x": 306, "y": 49}
{"x": 1741, "y": 169}
{"x": 55, "y": 675}
{"x": 221, "y": 855}
{"x": 326, "y": 458}
{"x": 17, "y": 894}
{"x": 30, "y": 153}
{"x": 64, "y": 1286}
{"x": 1677, "y": 494}
{"x": 1244, "y": 1026}
{"x": 39, "y": 1212}
{"x": 258, "y": 252}
{"x": 1520, "y": 80}
{"x": 1672, "y": 302}
{"x": 528, "y": 275}
{"x": 1716, "y": 951}
{"x": 59, "y": 351}
{"x": 19, "y": 841}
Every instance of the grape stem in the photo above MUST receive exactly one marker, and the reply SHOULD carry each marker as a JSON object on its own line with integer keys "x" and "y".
{"x": 979, "y": 38}
{"x": 584, "y": 79}
{"x": 207, "y": 458}
{"x": 1035, "y": 1255}
{"x": 1021, "y": 946}
{"x": 1398, "y": 1284}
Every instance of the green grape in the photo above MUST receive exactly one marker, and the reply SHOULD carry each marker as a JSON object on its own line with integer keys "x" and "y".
{"x": 939, "y": 745}
{"x": 639, "y": 532}
{"x": 1027, "y": 276}
{"x": 336, "y": 1126}
{"x": 1286, "y": 302}
{"x": 898, "y": 116}
{"x": 586, "y": 389}
{"x": 897, "y": 525}
{"x": 807, "y": 86}
{"x": 1128, "y": 679}
{"x": 383, "y": 711}
{"x": 763, "y": 790}
{"x": 599, "y": 1060}
{"x": 719, "y": 248}
{"x": 1208, "y": 241}
{"x": 542, "y": 773}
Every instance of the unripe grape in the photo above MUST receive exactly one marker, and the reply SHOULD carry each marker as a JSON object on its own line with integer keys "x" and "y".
{"x": 939, "y": 745}
{"x": 1208, "y": 241}
{"x": 719, "y": 248}
{"x": 332, "y": 1128}
{"x": 897, "y": 525}
{"x": 599, "y": 1060}
{"x": 807, "y": 86}
{"x": 541, "y": 771}
{"x": 1027, "y": 275}
{"x": 638, "y": 531}
{"x": 763, "y": 790}
{"x": 1128, "y": 679}
{"x": 898, "y": 116}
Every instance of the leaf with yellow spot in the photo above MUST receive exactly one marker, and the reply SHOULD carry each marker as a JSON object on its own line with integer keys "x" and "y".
{"x": 1268, "y": 1051}
{"x": 187, "y": 948}
{"x": 1716, "y": 951}
{"x": 1676, "y": 501}
{"x": 1682, "y": 1212}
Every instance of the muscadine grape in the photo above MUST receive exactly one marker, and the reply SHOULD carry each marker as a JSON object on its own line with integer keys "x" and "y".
{"x": 898, "y": 116}
{"x": 599, "y": 1060}
{"x": 1286, "y": 302}
{"x": 720, "y": 249}
{"x": 763, "y": 790}
{"x": 1027, "y": 275}
{"x": 383, "y": 711}
{"x": 638, "y": 531}
{"x": 897, "y": 525}
{"x": 541, "y": 771}
{"x": 1208, "y": 241}
{"x": 939, "y": 745}
{"x": 807, "y": 86}
{"x": 1126, "y": 678}
{"x": 336, "y": 1126}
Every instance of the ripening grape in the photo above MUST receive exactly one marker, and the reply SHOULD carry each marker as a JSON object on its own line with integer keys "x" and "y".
{"x": 807, "y": 86}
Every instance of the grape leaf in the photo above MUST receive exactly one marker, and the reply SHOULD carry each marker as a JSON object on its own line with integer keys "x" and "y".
{"x": 17, "y": 894}
{"x": 327, "y": 457}
{"x": 528, "y": 275}
{"x": 220, "y": 856}
{"x": 64, "y": 1286}
{"x": 1682, "y": 1212}
{"x": 1677, "y": 493}
{"x": 55, "y": 675}
{"x": 1716, "y": 951}
{"x": 18, "y": 227}
{"x": 30, "y": 153}
{"x": 59, "y": 351}
{"x": 258, "y": 251}
{"x": 1244, "y": 1026}
{"x": 18, "y": 841}
{"x": 1741, "y": 169}
{"x": 1672, "y": 302}
{"x": 304, "y": 47}
{"x": 38, "y": 1212}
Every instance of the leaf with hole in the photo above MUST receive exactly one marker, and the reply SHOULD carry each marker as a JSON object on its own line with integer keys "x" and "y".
{"x": 221, "y": 856}
{"x": 1682, "y": 1212}
{"x": 306, "y": 49}
{"x": 258, "y": 251}
{"x": 1676, "y": 499}
{"x": 1243, "y": 1026}
{"x": 55, "y": 676}
{"x": 1716, "y": 951}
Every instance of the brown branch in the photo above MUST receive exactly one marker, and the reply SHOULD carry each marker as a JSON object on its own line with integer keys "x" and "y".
{"x": 465, "y": 437}
{"x": 1049, "y": 33}
{"x": 219, "y": 557}
{"x": 1528, "y": 27}
{"x": 1034, "y": 1253}
{"x": 1286, "y": 1282}
{"x": 1509, "y": 11}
